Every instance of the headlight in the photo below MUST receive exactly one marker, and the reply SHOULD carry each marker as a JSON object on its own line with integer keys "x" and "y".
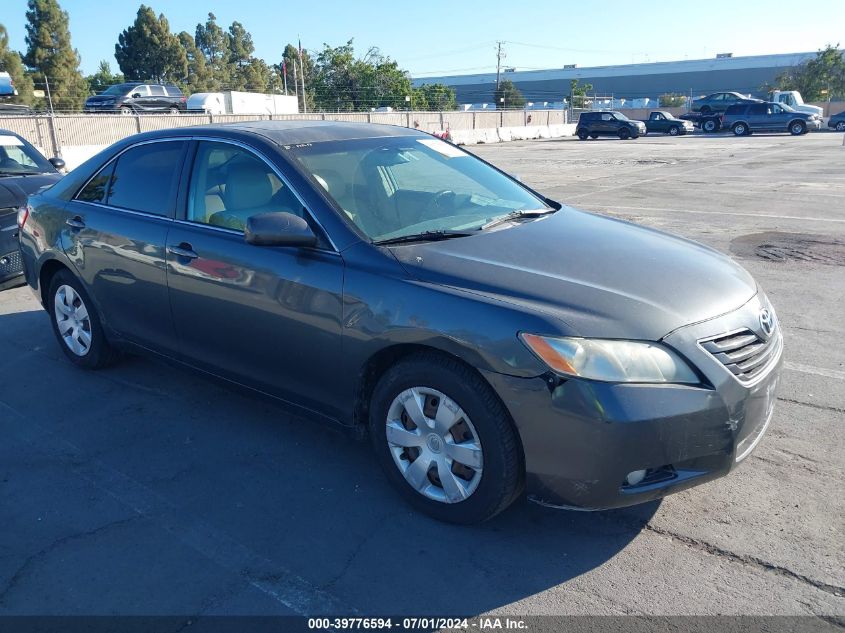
{"x": 610, "y": 360}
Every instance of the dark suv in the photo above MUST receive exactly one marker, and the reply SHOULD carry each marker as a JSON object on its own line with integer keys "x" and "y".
{"x": 130, "y": 98}
{"x": 766, "y": 116}
{"x": 595, "y": 124}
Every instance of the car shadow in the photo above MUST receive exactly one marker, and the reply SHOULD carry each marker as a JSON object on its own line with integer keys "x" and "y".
{"x": 299, "y": 493}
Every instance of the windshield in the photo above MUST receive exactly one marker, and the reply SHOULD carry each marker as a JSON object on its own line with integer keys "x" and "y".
{"x": 16, "y": 157}
{"x": 119, "y": 89}
{"x": 396, "y": 186}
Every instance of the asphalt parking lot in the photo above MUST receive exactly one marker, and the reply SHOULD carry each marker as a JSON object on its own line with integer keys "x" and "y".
{"x": 144, "y": 489}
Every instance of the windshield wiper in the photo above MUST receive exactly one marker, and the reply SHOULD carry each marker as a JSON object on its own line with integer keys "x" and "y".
{"x": 425, "y": 236}
{"x": 6, "y": 172}
{"x": 516, "y": 215}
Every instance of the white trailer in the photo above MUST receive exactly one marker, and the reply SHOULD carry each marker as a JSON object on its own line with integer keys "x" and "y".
{"x": 231, "y": 102}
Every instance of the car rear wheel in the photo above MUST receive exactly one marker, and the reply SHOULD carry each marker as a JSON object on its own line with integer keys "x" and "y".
{"x": 126, "y": 110}
{"x": 76, "y": 323}
{"x": 709, "y": 126}
{"x": 594, "y": 136}
{"x": 797, "y": 128}
{"x": 582, "y": 134}
{"x": 444, "y": 439}
{"x": 840, "y": 127}
{"x": 624, "y": 134}
{"x": 173, "y": 110}
{"x": 740, "y": 129}
{"x": 674, "y": 130}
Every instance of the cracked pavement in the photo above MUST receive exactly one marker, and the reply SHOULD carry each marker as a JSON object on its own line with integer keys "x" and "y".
{"x": 146, "y": 489}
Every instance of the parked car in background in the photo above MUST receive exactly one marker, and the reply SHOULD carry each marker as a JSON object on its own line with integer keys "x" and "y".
{"x": 7, "y": 87}
{"x": 666, "y": 123}
{"x": 720, "y": 101}
{"x": 767, "y": 116}
{"x": 23, "y": 170}
{"x": 794, "y": 100}
{"x": 608, "y": 123}
{"x": 15, "y": 109}
{"x": 490, "y": 339}
{"x": 131, "y": 98}
{"x": 837, "y": 122}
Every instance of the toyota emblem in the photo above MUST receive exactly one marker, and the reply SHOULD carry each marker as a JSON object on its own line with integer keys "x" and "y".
{"x": 767, "y": 322}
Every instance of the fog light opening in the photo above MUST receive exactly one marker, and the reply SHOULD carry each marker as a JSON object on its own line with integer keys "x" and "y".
{"x": 635, "y": 477}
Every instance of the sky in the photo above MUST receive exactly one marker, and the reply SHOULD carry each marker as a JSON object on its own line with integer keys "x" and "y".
{"x": 444, "y": 37}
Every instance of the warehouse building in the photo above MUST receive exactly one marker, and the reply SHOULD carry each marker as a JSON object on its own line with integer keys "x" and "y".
{"x": 693, "y": 77}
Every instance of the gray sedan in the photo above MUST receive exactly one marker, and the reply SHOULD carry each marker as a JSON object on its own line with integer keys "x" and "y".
{"x": 491, "y": 340}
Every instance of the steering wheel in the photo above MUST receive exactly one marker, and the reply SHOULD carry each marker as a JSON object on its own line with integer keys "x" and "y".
{"x": 437, "y": 202}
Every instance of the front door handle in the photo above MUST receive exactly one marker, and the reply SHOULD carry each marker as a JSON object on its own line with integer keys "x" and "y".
{"x": 75, "y": 223}
{"x": 183, "y": 250}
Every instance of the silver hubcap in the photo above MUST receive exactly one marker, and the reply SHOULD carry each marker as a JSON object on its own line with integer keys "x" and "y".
{"x": 434, "y": 445}
{"x": 796, "y": 128}
{"x": 840, "y": 127}
{"x": 73, "y": 320}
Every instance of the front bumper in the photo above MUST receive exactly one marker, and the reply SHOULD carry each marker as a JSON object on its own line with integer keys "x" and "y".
{"x": 582, "y": 438}
{"x": 814, "y": 124}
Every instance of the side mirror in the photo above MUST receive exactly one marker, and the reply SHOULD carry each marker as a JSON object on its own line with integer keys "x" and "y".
{"x": 57, "y": 162}
{"x": 278, "y": 229}
{"x": 136, "y": 95}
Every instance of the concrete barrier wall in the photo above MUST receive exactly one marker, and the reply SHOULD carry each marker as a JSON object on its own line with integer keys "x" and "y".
{"x": 76, "y": 137}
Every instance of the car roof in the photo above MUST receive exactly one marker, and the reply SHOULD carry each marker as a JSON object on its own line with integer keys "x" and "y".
{"x": 293, "y": 132}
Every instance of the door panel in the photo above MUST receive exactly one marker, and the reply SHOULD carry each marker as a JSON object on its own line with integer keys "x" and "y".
{"x": 268, "y": 317}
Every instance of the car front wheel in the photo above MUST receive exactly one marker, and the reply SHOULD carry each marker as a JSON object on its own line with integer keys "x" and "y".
{"x": 674, "y": 130}
{"x": 797, "y": 128}
{"x": 76, "y": 323}
{"x": 740, "y": 129}
{"x": 624, "y": 133}
{"x": 840, "y": 127}
{"x": 444, "y": 439}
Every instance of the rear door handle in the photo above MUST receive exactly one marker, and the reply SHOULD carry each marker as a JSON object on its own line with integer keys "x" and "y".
{"x": 75, "y": 223}
{"x": 183, "y": 250}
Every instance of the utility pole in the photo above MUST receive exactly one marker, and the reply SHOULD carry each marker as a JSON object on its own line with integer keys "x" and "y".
{"x": 500, "y": 55}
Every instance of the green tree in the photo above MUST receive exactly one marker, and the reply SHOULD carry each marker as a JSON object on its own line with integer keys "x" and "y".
{"x": 103, "y": 78}
{"x": 433, "y": 97}
{"x": 213, "y": 42}
{"x": 199, "y": 78}
{"x": 507, "y": 95}
{"x": 578, "y": 94}
{"x": 147, "y": 50}
{"x": 672, "y": 100}
{"x": 818, "y": 79}
{"x": 10, "y": 62}
{"x": 49, "y": 54}
{"x": 246, "y": 72}
{"x": 344, "y": 83}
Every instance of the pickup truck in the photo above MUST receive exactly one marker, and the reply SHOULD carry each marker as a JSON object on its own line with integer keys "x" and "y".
{"x": 794, "y": 100}
{"x": 665, "y": 123}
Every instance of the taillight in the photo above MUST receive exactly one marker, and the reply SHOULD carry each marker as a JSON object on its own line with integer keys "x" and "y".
{"x": 23, "y": 215}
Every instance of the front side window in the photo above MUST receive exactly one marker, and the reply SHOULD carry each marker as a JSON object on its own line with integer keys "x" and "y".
{"x": 146, "y": 177}
{"x": 606, "y": 117}
{"x": 229, "y": 184}
{"x": 141, "y": 91}
{"x": 16, "y": 157}
{"x": 396, "y": 186}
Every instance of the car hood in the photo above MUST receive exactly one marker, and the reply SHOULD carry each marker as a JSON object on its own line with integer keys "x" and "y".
{"x": 14, "y": 190}
{"x": 602, "y": 277}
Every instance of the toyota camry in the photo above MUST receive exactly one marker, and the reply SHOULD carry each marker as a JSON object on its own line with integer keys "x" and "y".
{"x": 492, "y": 341}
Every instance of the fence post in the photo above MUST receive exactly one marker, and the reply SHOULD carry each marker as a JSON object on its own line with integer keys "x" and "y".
{"x": 369, "y": 118}
{"x": 473, "y": 119}
{"x": 51, "y": 122}
{"x": 138, "y": 123}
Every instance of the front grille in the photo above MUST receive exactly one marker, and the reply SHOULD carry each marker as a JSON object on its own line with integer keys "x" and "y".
{"x": 744, "y": 353}
{"x": 11, "y": 264}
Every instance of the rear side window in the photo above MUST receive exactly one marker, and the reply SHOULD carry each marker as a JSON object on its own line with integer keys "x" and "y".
{"x": 98, "y": 186}
{"x": 758, "y": 108}
{"x": 146, "y": 177}
{"x": 157, "y": 91}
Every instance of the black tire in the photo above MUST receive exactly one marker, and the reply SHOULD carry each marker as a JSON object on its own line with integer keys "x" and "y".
{"x": 502, "y": 475}
{"x": 797, "y": 128}
{"x": 624, "y": 133}
{"x": 126, "y": 110}
{"x": 674, "y": 130}
{"x": 594, "y": 136}
{"x": 709, "y": 126}
{"x": 740, "y": 129}
{"x": 582, "y": 134}
{"x": 840, "y": 127}
{"x": 100, "y": 353}
{"x": 173, "y": 110}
